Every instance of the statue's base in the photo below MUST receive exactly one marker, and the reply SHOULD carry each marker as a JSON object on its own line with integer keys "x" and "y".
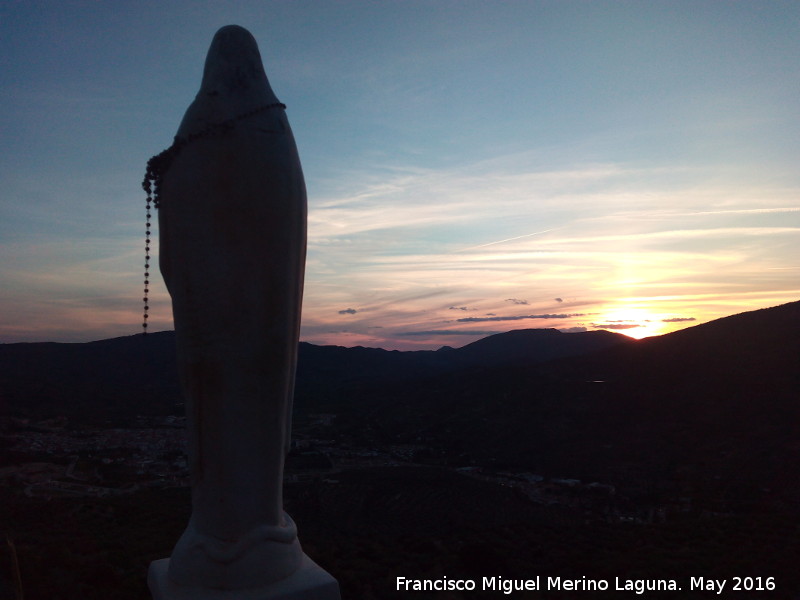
{"x": 309, "y": 582}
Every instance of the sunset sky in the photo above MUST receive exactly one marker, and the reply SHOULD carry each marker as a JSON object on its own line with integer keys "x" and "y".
{"x": 472, "y": 167}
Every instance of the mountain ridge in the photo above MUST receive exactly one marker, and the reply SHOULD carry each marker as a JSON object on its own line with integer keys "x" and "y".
{"x": 119, "y": 376}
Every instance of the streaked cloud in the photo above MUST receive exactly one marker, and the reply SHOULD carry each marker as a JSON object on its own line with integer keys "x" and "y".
{"x": 606, "y": 252}
{"x": 519, "y": 317}
{"x": 456, "y": 332}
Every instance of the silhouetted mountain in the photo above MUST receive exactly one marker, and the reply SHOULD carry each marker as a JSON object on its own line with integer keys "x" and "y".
{"x": 705, "y": 406}
{"x": 327, "y": 373}
{"x": 136, "y": 374}
{"x": 696, "y": 431}
{"x": 712, "y": 407}
{"x": 110, "y": 378}
{"x": 528, "y": 346}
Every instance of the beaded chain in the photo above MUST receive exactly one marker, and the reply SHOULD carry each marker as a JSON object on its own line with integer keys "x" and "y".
{"x": 158, "y": 166}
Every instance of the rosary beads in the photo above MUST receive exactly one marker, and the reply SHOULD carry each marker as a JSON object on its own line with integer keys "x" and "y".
{"x": 157, "y": 167}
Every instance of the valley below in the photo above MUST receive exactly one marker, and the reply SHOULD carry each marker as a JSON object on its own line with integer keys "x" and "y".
{"x": 667, "y": 458}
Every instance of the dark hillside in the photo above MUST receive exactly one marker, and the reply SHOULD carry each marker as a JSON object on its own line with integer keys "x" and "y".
{"x": 765, "y": 341}
{"x": 528, "y": 346}
{"x": 712, "y": 407}
{"x": 372, "y": 525}
{"x": 711, "y": 403}
{"x": 674, "y": 456}
{"x": 107, "y": 379}
{"x": 136, "y": 375}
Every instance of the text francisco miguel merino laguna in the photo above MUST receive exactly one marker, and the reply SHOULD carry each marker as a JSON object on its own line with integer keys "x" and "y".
{"x": 584, "y": 584}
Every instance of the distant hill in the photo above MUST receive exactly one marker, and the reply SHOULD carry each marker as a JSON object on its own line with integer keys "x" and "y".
{"x": 325, "y": 373}
{"x": 713, "y": 407}
{"x": 90, "y": 381}
{"x": 126, "y": 376}
{"x": 528, "y": 346}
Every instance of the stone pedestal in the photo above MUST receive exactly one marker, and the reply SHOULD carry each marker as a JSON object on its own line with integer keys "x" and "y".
{"x": 309, "y": 582}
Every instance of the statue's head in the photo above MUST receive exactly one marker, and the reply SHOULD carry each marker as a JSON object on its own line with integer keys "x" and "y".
{"x": 233, "y": 63}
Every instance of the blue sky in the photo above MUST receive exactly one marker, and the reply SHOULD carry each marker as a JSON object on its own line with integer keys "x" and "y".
{"x": 472, "y": 167}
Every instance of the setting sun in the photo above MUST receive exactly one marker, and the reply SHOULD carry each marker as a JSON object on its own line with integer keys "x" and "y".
{"x": 634, "y": 322}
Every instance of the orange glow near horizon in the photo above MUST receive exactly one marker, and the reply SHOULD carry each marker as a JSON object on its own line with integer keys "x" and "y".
{"x": 634, "y": 316}
{"x": 637, "y": 323}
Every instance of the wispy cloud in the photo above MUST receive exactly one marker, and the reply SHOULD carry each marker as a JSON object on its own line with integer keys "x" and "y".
{"x": 604, "y": 231}
{"x": 519, "y": 237}
{"x": 620, "y": 326}
{"x": 414, "y": 197}
{"x": 520, "y": 317}
{"x": 455, "y": 332}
